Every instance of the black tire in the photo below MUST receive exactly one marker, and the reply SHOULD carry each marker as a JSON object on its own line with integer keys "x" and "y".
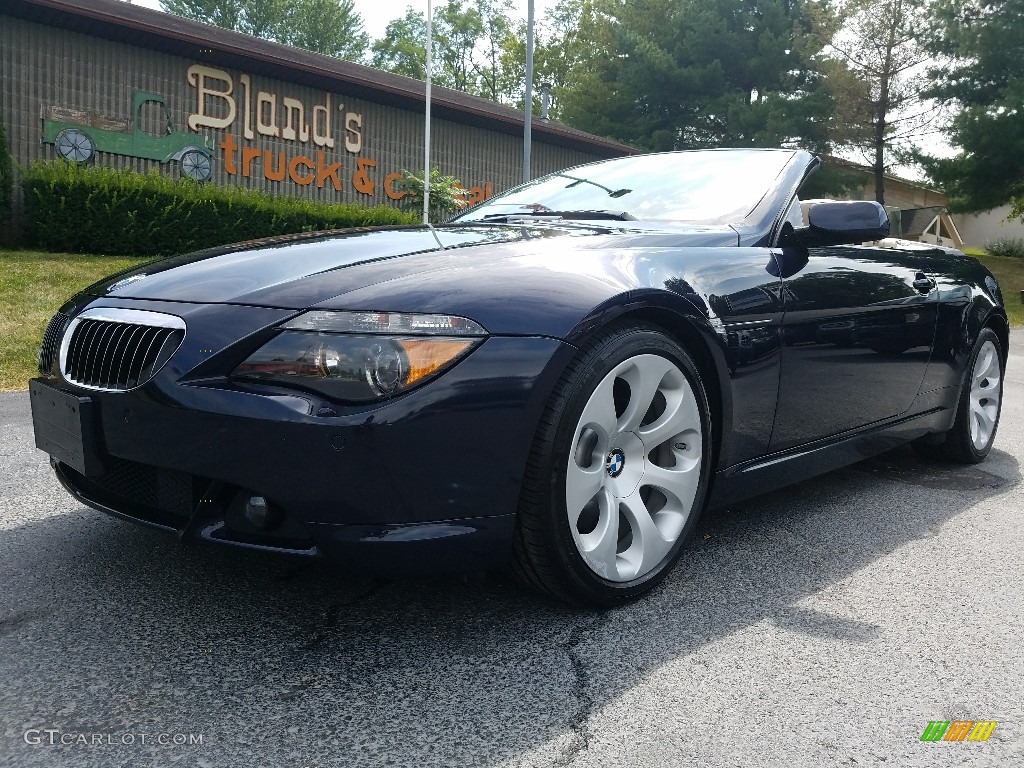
{"x": 547, "y": 556}
{"x": 957, "y": 444}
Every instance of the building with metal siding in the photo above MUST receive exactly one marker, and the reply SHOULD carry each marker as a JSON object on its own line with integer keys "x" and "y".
{"x": 266, "y": 116}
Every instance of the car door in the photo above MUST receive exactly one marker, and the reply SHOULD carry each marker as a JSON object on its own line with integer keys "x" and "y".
{"x": 857, "y": 334}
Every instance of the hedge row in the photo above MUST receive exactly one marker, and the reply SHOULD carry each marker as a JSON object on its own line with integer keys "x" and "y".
{"x": 80, "y": 209}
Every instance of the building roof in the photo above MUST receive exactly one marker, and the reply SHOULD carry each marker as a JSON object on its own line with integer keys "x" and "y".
{"x": 869, "y": 171}
{"x": 126, "y": 23}
{"x": 914, "y": 221}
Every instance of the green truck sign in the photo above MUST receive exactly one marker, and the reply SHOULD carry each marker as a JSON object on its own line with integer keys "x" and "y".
{"x": 77, "y": 135}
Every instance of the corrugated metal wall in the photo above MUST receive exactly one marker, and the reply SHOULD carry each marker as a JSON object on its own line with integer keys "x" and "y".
{"x": 42, "y": 66}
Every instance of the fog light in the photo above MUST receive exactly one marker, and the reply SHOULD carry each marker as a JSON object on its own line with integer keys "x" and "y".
{"x": 259, "y": 513}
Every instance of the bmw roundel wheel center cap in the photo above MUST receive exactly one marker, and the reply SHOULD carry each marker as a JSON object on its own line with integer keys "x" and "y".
{"x": 625, "y": 465}
{"x": 615, "y": 462}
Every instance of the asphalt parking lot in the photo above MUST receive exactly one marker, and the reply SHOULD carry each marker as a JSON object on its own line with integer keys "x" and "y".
{"x": 823, "y": 625}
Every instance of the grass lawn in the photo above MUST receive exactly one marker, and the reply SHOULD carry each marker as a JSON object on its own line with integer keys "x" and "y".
{"x": 33, "y": 285}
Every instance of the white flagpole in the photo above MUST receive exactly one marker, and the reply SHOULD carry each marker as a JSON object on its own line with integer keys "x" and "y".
{"x": 426, "y": 130}
{"x": 528, "y": 111}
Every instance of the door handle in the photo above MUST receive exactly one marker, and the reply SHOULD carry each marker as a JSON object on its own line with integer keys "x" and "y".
{"x": 923, "y": 283}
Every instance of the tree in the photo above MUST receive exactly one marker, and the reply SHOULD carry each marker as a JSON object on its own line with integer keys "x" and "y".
{"x": 331, "y": 27}
{"x": 496, "y": 28}
{"x": 698, "y": 73}
{"x": 457, "y": 32}
{"x": 447, "y": 197}
{"x": 469, "y": 41}
{"x": 985, "y": 79}
{"x": 881, "y": 74}
{"x": 220, "y": 13}
{"x": 403, "y": 49}
{"x": 569, "y": 42}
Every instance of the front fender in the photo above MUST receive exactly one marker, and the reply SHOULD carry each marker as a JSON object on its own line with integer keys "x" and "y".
{"x": 685, "y": 318}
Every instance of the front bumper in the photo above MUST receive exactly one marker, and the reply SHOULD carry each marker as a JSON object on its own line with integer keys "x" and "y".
{"x": 385, "y": 550}
{"x": 428, "y": 481}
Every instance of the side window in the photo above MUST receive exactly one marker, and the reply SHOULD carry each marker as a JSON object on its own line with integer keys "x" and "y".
{"x": 794, "y": 217}
{"x": 795, "y": 214}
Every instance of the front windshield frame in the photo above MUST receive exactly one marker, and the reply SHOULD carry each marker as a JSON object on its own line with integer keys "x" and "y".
{"x": 727, "y": 186}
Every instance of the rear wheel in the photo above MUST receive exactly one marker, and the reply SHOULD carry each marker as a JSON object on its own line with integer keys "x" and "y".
{"x": 618, "y": 472}
{"x": 978, "y": 410}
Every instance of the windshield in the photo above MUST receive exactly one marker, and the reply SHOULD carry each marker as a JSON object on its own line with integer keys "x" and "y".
{"x": 706, "y": 187}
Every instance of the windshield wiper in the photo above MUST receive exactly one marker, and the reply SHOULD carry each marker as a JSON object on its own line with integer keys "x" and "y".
{"x": 578, "y": 215}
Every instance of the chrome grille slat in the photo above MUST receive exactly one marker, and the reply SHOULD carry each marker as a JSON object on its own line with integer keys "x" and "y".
{"x": 89, "y": 339}
{"x": 51, "y": 342}
{"x": 77, "y": 353}
{"x": 95, "y": 360}
{"x": 110, "y": 359}
{"x": 140, "y": 344}
{"x": 124, "y": 369}
{"x": 115, "y": 349}
{"x": 149, "y": 354}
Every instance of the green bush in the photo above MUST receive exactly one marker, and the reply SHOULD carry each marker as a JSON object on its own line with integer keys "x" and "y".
{"x": 6, "y": 173}
{"x": 1010, "y": 246}
{"x": 80, "y": 209}
{"x": 447, "y": 197}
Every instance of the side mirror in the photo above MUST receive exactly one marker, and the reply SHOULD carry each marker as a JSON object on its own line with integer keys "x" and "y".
{"x": 842, "y": 223}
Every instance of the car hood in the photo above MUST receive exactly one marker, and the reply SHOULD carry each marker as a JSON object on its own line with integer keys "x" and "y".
{"x": 298, "y": 271}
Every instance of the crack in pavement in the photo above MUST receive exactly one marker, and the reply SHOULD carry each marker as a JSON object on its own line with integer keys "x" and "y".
{"x": 16, "y": 621}
{"x": 578, "y": 724}
{"x": 334, "y": 611}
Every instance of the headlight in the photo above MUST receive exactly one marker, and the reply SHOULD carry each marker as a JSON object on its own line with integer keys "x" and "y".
{"x": 362, "y": 357}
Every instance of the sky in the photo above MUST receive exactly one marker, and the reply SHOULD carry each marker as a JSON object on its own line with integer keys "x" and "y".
{"x": 377, "y": 14}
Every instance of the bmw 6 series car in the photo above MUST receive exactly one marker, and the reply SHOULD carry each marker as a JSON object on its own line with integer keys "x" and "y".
{"x": 558, "y": 380}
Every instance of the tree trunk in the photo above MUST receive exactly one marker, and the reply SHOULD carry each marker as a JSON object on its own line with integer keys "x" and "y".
{"x": 879, "y": 164}
{"x": 885, "y": 81}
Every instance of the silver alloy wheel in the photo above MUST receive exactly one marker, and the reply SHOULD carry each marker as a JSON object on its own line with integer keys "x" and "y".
{"x": 985, "y": 394}
{"x": 635, "y": 467}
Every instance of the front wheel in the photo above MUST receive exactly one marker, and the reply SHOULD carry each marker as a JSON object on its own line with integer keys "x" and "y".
{"x": 978, "y": 409}
{"x": 618, "y": 472}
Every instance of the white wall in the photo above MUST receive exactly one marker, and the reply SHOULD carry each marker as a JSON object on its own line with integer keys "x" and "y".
{"x": 979, "y": 228}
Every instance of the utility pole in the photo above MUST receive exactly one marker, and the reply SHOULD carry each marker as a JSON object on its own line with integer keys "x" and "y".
{"x": 528, "y": 116}
{"x": 426, "y": 131}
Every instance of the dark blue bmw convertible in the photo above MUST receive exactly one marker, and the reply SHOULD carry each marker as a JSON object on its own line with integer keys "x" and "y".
{"x": 558, "y": 380}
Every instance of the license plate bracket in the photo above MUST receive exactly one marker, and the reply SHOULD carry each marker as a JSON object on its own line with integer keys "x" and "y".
{"x": 66, "y": 427}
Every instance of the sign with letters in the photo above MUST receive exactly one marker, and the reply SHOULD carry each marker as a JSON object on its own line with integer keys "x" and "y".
{"x": 327, "y": 138}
